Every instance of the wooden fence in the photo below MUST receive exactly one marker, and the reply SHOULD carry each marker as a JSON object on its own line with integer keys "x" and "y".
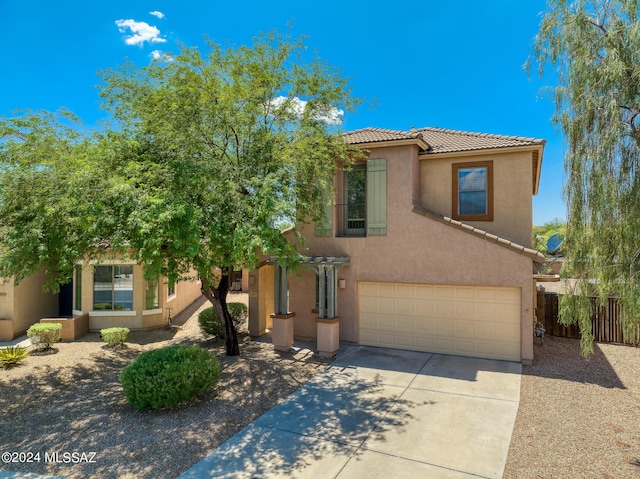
{"x": 606, "y": 322}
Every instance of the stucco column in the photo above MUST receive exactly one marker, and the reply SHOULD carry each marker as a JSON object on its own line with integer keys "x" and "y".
{"x": 260, "y": 300}
{"x": 282, "y": 319}
{"x": 328, "y": 336}
{"x": 282, "y": 332}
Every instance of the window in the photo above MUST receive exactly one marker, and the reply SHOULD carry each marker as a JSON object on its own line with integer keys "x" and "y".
{"x": 364, "y": 208}
{"x": 78, "y": 287}
{"x": 113, "y": 287}
{"x": 171, "y": 289}
{"x": 152, "y": 294}
{"x": 473, "y": 191}
{"x": 355, "y": 199}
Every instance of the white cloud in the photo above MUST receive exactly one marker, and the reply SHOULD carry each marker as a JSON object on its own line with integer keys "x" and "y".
{"x": 159, "y": 55}
{"x": 297, "y": 106}
{"x": 156, "y": 13}
{"x": 141, "y": 32}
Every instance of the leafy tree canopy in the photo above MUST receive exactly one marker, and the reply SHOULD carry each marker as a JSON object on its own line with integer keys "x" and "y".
{"x": 212, "y": 152}
{"x": 594, "y": 47}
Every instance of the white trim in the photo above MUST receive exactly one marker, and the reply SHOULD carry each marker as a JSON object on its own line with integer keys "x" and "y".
{"x": 147, "y": 312}
{"x": 111, "y": 312}
{"x": 75, "y": 312}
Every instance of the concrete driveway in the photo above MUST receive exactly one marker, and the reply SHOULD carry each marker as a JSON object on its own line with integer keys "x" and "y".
{"x": 381, "y": 413}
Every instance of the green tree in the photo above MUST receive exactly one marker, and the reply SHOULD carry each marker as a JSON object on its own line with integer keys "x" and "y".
{"x": 48, "y": 171}
{"x": 594, "y": 46}
{"x": 212, "y": 152}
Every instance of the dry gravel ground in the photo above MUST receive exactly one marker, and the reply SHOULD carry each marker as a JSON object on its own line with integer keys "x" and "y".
{"x": 578, "y": 418}
{"x": 71, "y": 401}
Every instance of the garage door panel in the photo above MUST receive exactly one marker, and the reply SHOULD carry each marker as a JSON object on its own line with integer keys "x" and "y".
{"x": 448, "y": 319}
{"x": 444, "y": 292}
{"x": 405, "y": 324}
{"x": 465, "y": 310}
{"x": 405, "y": 306}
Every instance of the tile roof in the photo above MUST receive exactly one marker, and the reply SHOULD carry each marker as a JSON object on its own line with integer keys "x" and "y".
{"x": 442, "y": 140}
{"x": 374, "y": 135}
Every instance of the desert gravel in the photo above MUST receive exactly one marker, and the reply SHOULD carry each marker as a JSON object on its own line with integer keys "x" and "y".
{"x": 578, "y": 418}
{"x": 71, "y": 402}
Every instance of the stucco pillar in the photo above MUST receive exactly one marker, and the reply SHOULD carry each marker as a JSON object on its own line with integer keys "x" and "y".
{"x": 260, "y": 300}
{"x": 282, "y": 332}
{"x": 328, "y": 336}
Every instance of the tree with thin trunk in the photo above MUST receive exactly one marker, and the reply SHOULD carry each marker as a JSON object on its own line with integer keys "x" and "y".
{"x": 212, "y": 152}
{"x": 594, "y": 47}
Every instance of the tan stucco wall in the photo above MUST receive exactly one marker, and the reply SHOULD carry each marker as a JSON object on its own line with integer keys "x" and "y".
{"x": 31, "y": 303}
{"x": 512, "y": 191}
{"x": 27, "y": 303}
{"x": 430, "y": 252}
{"x": 186, "y": 293}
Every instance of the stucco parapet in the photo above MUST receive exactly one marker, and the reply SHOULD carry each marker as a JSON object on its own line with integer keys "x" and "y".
{"x": 533, "y": 254}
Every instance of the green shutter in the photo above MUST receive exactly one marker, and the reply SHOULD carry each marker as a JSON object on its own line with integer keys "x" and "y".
{"x": 325, "y": 228}
{"x": 377, "y": 196}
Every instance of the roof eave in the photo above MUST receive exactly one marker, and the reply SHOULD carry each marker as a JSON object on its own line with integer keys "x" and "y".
{"x": 420, "y": 143}
{"x": 425, "y": 155}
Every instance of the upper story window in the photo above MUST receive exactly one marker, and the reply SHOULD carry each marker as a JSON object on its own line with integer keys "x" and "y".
{"x": 113, "y": 287}
{"x": 352, "y": 215}
{"x": 361, "y": 208}
{"x": 473, "y": 191}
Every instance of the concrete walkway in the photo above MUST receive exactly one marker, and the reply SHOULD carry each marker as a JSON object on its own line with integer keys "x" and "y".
{"x": 381, "y": 413}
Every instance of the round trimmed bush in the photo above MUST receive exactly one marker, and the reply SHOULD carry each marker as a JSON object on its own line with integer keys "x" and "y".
{"x": 169, "y": 377}
{"x": 210, "y": 324}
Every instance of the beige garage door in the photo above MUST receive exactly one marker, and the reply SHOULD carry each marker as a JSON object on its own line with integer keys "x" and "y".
{"x": 481, "y": 322}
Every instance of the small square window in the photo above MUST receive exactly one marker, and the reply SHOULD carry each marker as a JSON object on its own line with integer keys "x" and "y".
{"x": 473, "y": 191}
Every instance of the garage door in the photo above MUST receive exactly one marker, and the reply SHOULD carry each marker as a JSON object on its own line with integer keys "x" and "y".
{"x": 481, "y": 322}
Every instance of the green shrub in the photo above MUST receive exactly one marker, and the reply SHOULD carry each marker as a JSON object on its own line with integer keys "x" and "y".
{"x": 169, "y": 377}
{"x": 12, "y": 356}
{"x": 210, "y": 324}
{"x": 239, "y": 314}
{"x": 114, "y": 336}
{"x": 43, "y": 335}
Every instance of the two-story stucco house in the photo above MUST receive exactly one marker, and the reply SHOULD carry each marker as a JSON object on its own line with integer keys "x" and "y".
{"x": 427, "y": 247}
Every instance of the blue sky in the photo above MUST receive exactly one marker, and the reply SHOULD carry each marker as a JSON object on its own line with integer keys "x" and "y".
{"x": 455, "y": 64}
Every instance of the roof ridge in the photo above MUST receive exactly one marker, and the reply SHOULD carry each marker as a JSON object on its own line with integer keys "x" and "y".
{"x": 482, "y": 135}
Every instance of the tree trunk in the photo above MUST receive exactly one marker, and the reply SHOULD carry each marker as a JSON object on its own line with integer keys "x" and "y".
{"x": 218, "y": 298}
